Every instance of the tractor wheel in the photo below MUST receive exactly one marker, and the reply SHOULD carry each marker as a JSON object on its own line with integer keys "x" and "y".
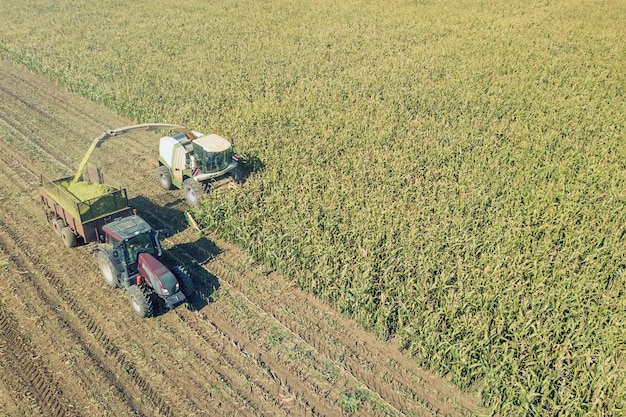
{"x": 58, "y": 225}
{"x": 108, "y": 270}
{"x": 193, "y": 190}
{"x": 164, "y": 176}
{"x": 140, "y": 301}
{"x": 69, "y": 238}
{"x": 186, "y": 284}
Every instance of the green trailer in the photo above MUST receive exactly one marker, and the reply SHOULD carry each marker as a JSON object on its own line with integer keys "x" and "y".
{"x": 78, "y": 210}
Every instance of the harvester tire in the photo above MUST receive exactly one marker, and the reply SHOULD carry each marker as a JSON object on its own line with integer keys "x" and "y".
{"x": 69, "y": 238}
{"x": 237, "y": 176}
{"x": 108, "y": 270}
{"x": 193, "y": 190}
{"x": 164, "y": 177}
{"x": 186, "y": 284}
{"x": 141, "y": 301}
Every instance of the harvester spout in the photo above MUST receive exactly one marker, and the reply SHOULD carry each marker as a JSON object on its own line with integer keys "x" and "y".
{"x": 122, "y": 131}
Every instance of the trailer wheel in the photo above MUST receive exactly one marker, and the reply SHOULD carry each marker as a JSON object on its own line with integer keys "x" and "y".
{"x": 186, "y": 284}
{"x": 69, "y": 238}
{"x": 58, "y": 225}
{"x": 140, "y": 301}
{"x": 193, "y": 190}
{"x": 164, "y": 177}
{"x": 108, "y": 270}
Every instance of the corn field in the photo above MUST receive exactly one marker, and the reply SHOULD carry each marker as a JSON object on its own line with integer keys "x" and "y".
{"x": 451, "y": 174}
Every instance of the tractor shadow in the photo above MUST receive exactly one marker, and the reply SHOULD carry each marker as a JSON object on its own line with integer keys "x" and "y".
{"x": 170, "y": 219}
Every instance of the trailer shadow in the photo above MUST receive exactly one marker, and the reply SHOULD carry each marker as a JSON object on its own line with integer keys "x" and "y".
{"x": 191, "y": 255}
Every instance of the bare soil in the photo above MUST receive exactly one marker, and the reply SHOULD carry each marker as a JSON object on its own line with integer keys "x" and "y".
{"x": 247, "y": 344}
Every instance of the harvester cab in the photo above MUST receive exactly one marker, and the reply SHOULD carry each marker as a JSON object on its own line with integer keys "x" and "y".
{"x": 196, "y": 165}
{"x": 129, "y": 258}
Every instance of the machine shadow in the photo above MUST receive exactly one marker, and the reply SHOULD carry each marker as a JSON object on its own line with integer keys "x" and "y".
{"x": 192, "y": 255}
{"x": 249, "y": 164}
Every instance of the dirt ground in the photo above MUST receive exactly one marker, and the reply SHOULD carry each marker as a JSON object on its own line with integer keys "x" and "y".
{"x": 247, "y": 344}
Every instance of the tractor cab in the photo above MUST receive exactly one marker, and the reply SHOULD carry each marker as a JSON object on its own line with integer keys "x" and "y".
{"x": 129, "y": 237}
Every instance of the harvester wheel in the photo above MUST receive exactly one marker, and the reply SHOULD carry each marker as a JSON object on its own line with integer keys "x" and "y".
{"x": 140, "y": 301}
{"x": 186, "y": 284}
{"x": 193, "y": 190}
{"x": 58, "y": 225}
{"x": 237, "y": 175}
{"x": 164, "y": 176}
{"x": 69, "y": 238}
{"x": 108, "y": 270}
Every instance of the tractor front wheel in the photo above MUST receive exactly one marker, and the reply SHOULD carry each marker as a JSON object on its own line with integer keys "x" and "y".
{"x": 186, "y": 284}
{"x": 109, "y": 271}
{"x": 193, "y": 190}
{"x": 164, "y": 177}
{"x": 141, "y": 301}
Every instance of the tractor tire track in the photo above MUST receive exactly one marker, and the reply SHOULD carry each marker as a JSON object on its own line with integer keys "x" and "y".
{"x": 111, "y": 350}
{"x": 267, "y": 383}
{"x": 32, "y": 299}
{"x": 14, "y": 119}
{"x": 62, "y": 108}
{"x": 19, "y": 359}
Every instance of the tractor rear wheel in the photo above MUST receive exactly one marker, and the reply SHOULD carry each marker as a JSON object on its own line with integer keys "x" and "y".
{"x": 186, "y": 284}
{"x": 69, "y": 238}
{"x": 164, "y": 176}
{"x": 193, "y": 190}
{"x": 108, "y": 270}
{"x": 141, "y": 301}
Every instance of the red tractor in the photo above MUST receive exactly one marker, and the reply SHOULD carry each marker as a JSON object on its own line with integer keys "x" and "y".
{"x": 129, "y": 257}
